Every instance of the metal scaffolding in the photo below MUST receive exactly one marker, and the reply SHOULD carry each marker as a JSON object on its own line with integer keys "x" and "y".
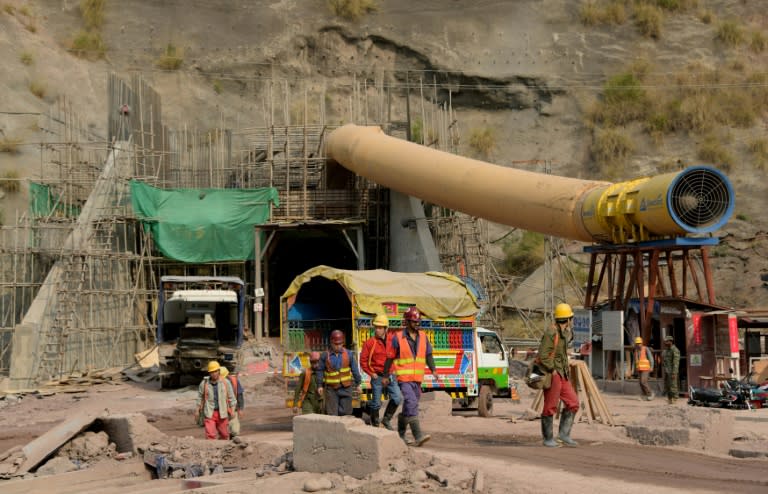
{"x": 79, "y": 273}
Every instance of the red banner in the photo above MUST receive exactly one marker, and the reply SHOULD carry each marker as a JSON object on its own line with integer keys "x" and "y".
{"x": 733, "y": 335}
{"x": 696, "y": 329}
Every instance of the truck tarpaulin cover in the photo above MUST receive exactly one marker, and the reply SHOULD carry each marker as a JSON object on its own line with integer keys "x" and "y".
{"x": 437, "y": 295}
{"x": 202, "y": 225}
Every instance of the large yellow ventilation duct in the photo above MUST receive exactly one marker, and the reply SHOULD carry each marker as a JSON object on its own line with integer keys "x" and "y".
{"x": 696, "y": 200}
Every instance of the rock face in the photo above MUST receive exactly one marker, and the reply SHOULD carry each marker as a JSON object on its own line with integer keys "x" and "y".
{"x": 343, "y": 445}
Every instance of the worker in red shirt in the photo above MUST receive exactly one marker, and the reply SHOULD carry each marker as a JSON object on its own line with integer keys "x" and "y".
{"x": 372, "y": 358}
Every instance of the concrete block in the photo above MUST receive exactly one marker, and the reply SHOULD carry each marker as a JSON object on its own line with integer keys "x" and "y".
{"x": 344, "y": 445}
{"x": 659, "y": 436}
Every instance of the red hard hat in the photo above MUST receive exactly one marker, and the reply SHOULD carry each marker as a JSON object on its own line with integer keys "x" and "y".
{"x": 337, "y": 336}
{"x": 412, "y": 314}
{"x": 314, "y": 356}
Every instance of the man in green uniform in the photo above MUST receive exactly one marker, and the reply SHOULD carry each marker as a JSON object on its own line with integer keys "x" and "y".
{"x": 670, "y": 361}
{"x": 307, "y": 398}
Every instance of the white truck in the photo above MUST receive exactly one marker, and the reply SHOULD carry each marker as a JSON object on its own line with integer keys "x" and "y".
{"x": 199, "y": 319}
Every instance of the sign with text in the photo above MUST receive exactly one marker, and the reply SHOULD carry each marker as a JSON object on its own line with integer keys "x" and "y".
{"x": 582, "y": 327}
{"x": 613, "y": 330}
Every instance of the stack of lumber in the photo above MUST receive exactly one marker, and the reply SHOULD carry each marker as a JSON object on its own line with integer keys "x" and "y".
{"x": 592, "y": 406}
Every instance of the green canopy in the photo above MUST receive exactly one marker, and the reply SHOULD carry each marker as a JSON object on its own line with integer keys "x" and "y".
{"x": 202, "y": 225}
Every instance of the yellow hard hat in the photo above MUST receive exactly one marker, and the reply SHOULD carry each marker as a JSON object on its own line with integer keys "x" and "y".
{"x": 213, "y": 366}
{"x": 381, "y": 320}
{"x": 224, "y": 372}
{"x": 563, "y": 311}
{"x": 639, "y": 340}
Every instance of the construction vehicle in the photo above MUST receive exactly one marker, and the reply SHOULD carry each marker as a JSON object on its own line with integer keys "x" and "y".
{"x": 324, "y": 299}
{"x": 492, "y": 363}
{"x": 199, "y": 319}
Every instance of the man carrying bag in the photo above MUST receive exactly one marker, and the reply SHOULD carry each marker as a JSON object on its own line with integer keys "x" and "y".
{"x": 553, "y": 359}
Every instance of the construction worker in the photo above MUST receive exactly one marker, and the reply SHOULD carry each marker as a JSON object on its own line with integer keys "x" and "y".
{"x": 234, "y": 380}
{"x": 339, "y": 376}
{"x": 553, "y": 358}
{"x": 642, "y": 364}
{"x": 216, "y": 402}
{"x": 372, "y": 359}
{"x": 670, "y": 361}
{"x": 306, "y": 398}
{"x": 411, "y": 352}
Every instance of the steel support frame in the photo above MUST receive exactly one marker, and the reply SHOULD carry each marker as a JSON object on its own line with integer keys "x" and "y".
{"x": 624, "y": 269}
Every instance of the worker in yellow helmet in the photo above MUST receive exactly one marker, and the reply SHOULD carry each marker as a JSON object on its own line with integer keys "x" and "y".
{"x": 372, "y": 359}
{"x": 216, "y": 402}
{"x": 642, "y": 365}
{"x": 553, "y": 358}
{"x": 237, "y": 387}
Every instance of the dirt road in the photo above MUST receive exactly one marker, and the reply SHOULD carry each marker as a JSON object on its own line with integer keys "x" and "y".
{"x": 506, "y": 447}
{"x": 625, "y": 462}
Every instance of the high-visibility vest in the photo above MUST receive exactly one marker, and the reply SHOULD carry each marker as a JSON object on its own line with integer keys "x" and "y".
{"x": 336, "y": 378}
{"x": 410, "y": 368}
{"x": 305, "y": 387}
{"x": 233, "y": 380}
{"x": 643, "y": 364}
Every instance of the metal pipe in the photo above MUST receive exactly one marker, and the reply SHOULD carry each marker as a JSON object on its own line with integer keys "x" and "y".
{"x": 694, "y": 201}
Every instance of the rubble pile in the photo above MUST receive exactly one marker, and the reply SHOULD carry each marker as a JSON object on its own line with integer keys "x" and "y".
{"x": 704, "y": 429}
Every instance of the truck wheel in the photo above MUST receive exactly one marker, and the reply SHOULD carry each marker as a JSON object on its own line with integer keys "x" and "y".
{"x": 485, "y": 401}
{"x": 165, "y": 382}
{"x": 169, "y": 381}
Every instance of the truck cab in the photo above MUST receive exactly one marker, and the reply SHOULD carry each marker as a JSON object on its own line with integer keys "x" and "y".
{"x": 492, "y": 373}
{"x": 199, "y": 319}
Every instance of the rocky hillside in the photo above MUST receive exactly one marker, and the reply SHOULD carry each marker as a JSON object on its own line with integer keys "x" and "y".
{"x": 606, "y": 89}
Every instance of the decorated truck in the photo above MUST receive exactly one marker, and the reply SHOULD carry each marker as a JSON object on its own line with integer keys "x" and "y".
{"x": 199, "y": 318}
{"x": 324, "y": 299}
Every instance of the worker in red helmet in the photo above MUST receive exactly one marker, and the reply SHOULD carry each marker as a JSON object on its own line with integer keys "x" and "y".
{"x": 338, "y": 376}
{"x": 411, "y": 353}
{"x": 306, "y": 397}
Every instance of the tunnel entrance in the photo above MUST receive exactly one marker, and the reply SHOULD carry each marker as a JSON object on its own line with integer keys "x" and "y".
{"x": 293, "y": 249}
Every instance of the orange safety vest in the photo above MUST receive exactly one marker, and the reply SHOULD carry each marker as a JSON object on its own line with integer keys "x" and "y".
{"x": 336, "y": 378}
{"x": 233, "y": 381}
{"x": 410, "y": 368}
{"x": 641, "y": 359}
{"x": 305, "y": 386}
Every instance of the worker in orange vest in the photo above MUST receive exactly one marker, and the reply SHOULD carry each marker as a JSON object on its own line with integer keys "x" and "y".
{"x": 642, "y": 364}
{"x": 411, "y": 353}
{"x": 306, "y": 397}
{"x": 338, "y": 376}
{"x": 237, "y": 387}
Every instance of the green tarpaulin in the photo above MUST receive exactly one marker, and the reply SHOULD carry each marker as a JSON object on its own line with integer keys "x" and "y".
{"x": 43, "y": 204}
{"x": 202, "y": 225}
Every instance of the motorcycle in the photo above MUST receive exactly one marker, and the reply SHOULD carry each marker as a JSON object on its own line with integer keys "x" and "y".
{"x": 734, "y": 394}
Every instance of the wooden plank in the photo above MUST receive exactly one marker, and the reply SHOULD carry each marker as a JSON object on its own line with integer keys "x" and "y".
{"x": 42, "y": 447}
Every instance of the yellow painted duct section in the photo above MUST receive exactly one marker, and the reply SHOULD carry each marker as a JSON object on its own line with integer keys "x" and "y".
{"x": 696, "y": 200}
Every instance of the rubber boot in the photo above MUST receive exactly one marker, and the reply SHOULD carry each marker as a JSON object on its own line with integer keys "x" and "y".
{"x": 402, "y": 428}
{"x": 547, "y": 423}
{"x": 566, "y": 423}
{"x": 418, "y": 436}
{"x": 389, "y": 412}
{"x": 374, "y": 417}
